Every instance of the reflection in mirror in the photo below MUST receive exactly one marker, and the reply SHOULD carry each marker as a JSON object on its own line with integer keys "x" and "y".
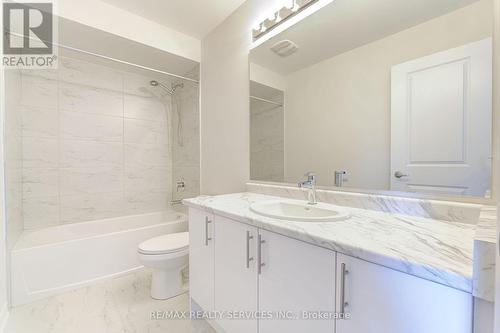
{"x": 378, "y": 95}
{"x": 266, "y": 133}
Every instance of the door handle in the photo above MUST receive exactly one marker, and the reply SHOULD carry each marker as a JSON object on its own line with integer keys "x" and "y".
{"x": 399, "y": 174}
{"x": 207, "y": 222}
{"x": 343, "y": 273}
{"x": 249, "y": 237}
{"x": 260, "y": 264}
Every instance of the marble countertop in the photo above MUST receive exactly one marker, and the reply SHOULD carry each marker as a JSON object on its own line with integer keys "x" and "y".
{"x": 485, "y": 247}
{"x": 439, "y": 251}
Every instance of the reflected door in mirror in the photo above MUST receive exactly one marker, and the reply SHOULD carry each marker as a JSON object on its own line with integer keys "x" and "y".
{"x": 441, "y": 122}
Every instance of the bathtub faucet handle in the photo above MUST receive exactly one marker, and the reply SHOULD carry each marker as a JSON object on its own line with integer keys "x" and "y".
{"x": 181, "y": 185}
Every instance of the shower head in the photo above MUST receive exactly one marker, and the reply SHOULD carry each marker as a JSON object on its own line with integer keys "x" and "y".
{"x": 177, "y": 85}
{"x": 171, "y": 90}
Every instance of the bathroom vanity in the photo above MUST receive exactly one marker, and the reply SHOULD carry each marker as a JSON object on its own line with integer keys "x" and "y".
{"x": 375, "y": 114}
{"x": 385, "y": 272}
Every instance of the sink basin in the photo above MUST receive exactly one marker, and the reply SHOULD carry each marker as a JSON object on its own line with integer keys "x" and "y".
{"x": 301, "y": 211}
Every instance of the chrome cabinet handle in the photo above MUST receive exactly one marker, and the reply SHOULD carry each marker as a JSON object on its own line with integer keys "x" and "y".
{"x": 399, "y": 174}
{"x": 260, "y": 264}
{"x": 207, "y": 222}
{"x": 249, "y": 237}
{"x": 343, "y": 273}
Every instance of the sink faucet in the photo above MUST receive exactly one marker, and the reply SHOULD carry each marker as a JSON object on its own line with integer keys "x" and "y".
{"x": 310, "y": 183}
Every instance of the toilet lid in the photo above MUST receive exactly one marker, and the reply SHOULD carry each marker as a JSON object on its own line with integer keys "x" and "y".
{"x": 165, "y": 244}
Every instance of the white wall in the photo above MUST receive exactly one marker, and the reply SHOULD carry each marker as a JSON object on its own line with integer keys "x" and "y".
{"x": 103, "y": 16}
{"x": 224, "y": 93}
{"x": 224, "y": 100}
{"x": 337, "y": 114}
{"x": 266, "y": 77}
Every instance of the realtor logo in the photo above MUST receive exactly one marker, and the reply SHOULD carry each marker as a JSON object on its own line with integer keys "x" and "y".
{"x": 28, "y": 35}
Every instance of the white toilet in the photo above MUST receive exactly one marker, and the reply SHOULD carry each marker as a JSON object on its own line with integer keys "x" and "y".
{"x": 167, "y": 255}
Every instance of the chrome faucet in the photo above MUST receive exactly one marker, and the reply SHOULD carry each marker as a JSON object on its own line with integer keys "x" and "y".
{"x": 310, "y": 183}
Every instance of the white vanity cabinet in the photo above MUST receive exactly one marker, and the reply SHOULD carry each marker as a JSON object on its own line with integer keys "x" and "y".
{"x": 201, "y": 258}
{"x": 242, "y": 269}
{"x": 235, "y": 273}
{"x": 293, "y": 277}
{"x": 382, "y": 300}
{"x": 296, "y": 277}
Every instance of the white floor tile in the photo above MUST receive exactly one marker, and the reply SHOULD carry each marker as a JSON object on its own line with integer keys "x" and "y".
{"x": 119, "y": 305}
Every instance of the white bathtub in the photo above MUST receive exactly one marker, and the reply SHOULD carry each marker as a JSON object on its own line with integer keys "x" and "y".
{"x": 56, "y": 259}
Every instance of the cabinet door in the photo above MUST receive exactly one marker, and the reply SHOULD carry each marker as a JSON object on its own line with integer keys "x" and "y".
{"x": 296, "y": 277}
{"x": 382, "y": 300}
{"x": 235, "y": 274}
{"x": 201, "y": 258}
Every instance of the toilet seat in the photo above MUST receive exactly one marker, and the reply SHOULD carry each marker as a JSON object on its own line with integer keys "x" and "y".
{"x": 170, "y": 243}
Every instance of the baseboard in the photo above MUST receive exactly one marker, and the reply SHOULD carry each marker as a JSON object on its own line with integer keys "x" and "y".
{"x": 4, "y": 316}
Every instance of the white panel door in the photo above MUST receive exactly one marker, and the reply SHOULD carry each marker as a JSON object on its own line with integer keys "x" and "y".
{"x": 382, "y": 300}
{"x": 296, "y": 277}
{"x": 201, "y": 258}
{"x": 441, "y": 122}
{"x": 235, "y": 274}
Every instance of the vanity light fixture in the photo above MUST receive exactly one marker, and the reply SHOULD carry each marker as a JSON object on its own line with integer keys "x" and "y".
{"x": 295, "y": 6}
{"x": 276, "y": 18}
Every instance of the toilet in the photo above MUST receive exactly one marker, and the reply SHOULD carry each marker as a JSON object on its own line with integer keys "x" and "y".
{"x": 167, "y": 255}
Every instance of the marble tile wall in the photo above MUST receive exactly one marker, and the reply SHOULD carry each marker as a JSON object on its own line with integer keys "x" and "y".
{"x": 13, "y": 156}
{"x": 186, "y": 141}
{"x": 97, "y": 143}
{"x": 267, "y": 140}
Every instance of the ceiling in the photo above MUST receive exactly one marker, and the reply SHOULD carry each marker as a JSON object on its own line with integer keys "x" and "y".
{"x": 192, "y": 17}
{"x": 82, "y": 37}
{"x": 344, "y": 25}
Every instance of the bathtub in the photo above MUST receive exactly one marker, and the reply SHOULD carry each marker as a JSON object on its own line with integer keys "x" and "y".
{"x": 49, "y": 261}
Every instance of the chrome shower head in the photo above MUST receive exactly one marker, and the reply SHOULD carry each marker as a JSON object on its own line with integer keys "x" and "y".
{"x": 178, "y": 85}
{"x": 170, "y": 90}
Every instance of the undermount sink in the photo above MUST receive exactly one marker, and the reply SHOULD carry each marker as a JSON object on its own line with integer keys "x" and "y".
{"x": 301, "y": 211}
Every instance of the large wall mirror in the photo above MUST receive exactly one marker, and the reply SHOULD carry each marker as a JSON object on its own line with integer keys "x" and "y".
{"x": 383, "y": 95}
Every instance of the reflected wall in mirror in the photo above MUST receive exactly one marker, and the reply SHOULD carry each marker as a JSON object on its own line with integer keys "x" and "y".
{"x": 378, "y": 95}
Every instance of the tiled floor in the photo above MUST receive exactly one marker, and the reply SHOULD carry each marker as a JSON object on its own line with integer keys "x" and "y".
{"x": 119, "y": 305}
